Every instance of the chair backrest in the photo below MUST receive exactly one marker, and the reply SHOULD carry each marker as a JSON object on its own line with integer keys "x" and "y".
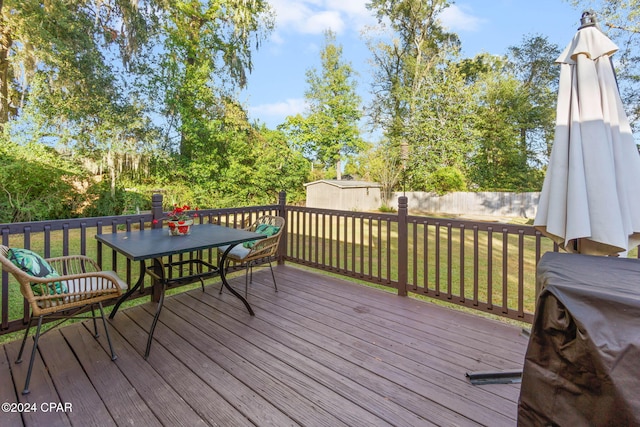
{"x": 276, "y": 221}
{"x": 269, "y": 246}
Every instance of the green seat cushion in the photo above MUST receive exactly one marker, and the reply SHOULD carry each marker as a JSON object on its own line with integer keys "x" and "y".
{"x": 34, "y": 265}
{"x": 266, "y": 229}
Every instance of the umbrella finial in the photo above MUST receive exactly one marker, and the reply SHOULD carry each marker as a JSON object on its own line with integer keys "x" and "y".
{"x": 588, "y": 19}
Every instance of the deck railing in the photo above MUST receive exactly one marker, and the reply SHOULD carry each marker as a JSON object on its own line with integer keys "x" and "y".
{"x": 481, "y": 265}
{"x": 484, "y": 266}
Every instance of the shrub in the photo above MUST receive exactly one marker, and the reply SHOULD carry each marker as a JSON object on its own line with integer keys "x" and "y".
{"x": 446, "y": 180}
{"x": 36, "y": 183}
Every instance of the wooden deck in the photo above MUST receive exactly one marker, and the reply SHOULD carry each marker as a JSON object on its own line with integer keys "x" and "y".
{"x": 321, "y": 351}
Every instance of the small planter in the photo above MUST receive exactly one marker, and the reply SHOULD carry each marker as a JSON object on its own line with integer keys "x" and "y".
{"x": 180, "y": 228}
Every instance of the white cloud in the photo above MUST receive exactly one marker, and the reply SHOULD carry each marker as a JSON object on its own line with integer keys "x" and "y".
{"x": 458, "y": 18}
{"x": 279, "y": 110}
{"x": 316, "y": 16}
{"x": 319, "y": 22}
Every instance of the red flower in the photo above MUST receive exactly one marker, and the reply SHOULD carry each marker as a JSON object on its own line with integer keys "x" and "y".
{"x": 180, "y": 213}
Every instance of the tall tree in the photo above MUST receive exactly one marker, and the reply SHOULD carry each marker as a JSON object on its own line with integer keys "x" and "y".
{"x": 408, "y": 59}
{"x": 61, "y": 41}
{"x": 207, "y": 53}
{"x": 514, "y": 112}
{"x": 533, "y": 64}
{"x": 329, "y": 132}
{"x": 499, "y": 163}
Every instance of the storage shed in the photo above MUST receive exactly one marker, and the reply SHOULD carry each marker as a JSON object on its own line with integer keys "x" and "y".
{"x": 345, "y": 195}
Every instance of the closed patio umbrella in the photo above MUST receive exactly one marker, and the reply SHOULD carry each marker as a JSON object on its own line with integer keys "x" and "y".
{"x": 590, "y": 200}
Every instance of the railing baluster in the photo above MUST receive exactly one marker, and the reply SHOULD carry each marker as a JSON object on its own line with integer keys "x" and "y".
{"x": 437, "y": 224}
{"x": 521, "y": 273}
{"x": 462, "y": 263}
{"x": 490, "y": 268}
{"x": 449, "y": 292}
{"x": 476, "y": 266}
{"x": 354, "y": 227}
{"x": 362, "y": 271}
{"x": 505, "y": 271}
{"x": 425, "y": 255}
{"x": 414, "y": 254}
{"x": 317, "y": 236}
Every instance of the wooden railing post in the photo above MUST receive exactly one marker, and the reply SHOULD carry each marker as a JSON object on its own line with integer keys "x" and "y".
{"x": 403, "y": 245}
{"x": 282, "y": 211}
{"x": 156, "y": 210}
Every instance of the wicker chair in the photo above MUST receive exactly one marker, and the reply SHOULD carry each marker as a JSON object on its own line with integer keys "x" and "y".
{"x": 85, "y": 286}
{"x": 261, "y": 252}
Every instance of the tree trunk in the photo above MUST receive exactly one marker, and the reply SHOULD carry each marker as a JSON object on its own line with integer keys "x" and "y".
{"x": 112, "y": 173}
{"x": 5, "y": 45}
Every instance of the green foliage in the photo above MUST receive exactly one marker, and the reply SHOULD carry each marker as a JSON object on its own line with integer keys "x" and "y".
{"x": 514, "y": 116}
{"x": 207, "y": 52}
{"x": 36, "y": 183}
{"x": 59, "y": 42}
{"x": 262, "y": 166}
{"x": 381, "y": 163}
{"x": 446, "y": 180}
{"x": 329, "y": 133}
{"x": 121, "y": 202}
{"x": 420, "y": 98}
{"x": 487, "y": 121}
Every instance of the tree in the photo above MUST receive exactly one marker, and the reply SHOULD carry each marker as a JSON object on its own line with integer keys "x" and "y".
{"x": 329, "y": 132}
{"x": 60, "y": 42}
{"x": 533, "y": 64}
{"x": 410, "y": 63}
{"x": 382, "y": 164}
{"x": 506, "y": 112}
{"x": 442, "y": 126}
{"x": 266, "y": 165}
{"x": 206, "y": 55}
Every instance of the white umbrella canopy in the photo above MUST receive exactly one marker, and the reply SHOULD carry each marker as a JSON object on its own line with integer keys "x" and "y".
{"x": 590, "y": 200}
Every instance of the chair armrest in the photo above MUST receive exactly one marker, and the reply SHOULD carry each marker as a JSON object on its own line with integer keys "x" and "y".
{"x": 264, "y": 247}
{"x": 76, "y": 290}
{"x": 96, "y": 283}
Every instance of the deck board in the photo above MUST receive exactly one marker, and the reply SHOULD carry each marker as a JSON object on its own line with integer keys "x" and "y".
{"x": 108, "y": 380}
{"x": 321, "y": 351}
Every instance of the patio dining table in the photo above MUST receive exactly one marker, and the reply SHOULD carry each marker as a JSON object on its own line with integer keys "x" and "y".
{"x": 156, "y": 244}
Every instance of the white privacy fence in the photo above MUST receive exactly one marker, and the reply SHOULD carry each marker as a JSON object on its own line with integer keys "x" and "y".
{"x": 466, "y": 203}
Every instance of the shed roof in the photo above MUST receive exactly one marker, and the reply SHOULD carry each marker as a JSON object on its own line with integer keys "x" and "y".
{"x": 346, "y": 183}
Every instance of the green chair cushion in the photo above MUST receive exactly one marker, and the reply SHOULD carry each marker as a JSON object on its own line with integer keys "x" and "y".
{"x": 266, "y": 229}
{"x": 34, "y": 265}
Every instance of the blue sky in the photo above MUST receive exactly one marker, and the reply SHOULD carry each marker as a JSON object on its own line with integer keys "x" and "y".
{"x": 277, "y": 84}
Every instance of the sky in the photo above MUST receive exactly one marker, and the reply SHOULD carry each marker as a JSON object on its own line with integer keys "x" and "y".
{"x": 277, "y": 83}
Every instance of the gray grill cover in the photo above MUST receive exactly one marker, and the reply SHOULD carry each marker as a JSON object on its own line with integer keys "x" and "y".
{"x": 582, "y": 366}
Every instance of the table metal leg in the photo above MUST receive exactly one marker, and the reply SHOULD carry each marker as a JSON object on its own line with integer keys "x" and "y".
{"x": 159, "y": 267}
{"x": 223, "y": 277}
{"x": 130, "y": 292}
